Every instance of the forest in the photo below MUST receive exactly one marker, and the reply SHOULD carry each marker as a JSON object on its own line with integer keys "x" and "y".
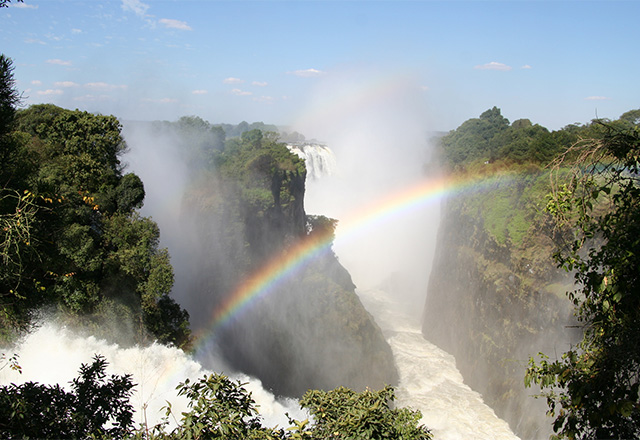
{"x": 73, "y": 243}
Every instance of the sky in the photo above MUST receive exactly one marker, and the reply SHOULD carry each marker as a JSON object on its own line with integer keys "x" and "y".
{"x": 284, "y": 62}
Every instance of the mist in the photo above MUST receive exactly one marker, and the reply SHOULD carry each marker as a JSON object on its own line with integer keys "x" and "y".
{"x": 379, "y": 133}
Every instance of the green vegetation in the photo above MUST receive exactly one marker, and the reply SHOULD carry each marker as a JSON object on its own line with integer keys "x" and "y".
{"x": 96, "y": 407}
{"x": 495, "y": 270}
{"x": 345, "y": 414}
{"x": 490, "y": 138}
{"x": 70, "y": 234}
{"x": 219, "y": 408}
{"x": 593, "y": 389}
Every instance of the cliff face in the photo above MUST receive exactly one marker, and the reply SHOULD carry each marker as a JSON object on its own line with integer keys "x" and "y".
{"x": 307, "y": 331}
{"x": 495, "y": 297}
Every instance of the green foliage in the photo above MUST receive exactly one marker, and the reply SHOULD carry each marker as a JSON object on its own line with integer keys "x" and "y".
{"x": 96, "y": 407}
{"x": 263, "y": 184}
{"x": 632, "y": 117}
{"x": 345, "y": 414}
{"x": 321, "y": 227}
{"x": 9, "y": 97}
{"x": 197, "y": 140}
{"x": 490, "y": 138}
{"x": 472, "y": 140}
{"x": 69, "y": 230}
{"x": 219, "y": 408}
{"x": 11, "y": 362}
{"x": 168, "y": 322}
{"x": 593, "y": 390}
{"x": 237, "y": 130}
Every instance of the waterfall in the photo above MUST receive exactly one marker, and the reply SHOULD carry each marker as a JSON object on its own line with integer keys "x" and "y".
{"x": 319, "y": 159}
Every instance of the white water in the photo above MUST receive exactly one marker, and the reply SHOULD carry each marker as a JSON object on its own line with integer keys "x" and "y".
{"x": 429, "y": 379}
{"x": 52, "y": 354}
{"x": 319, "y": 159}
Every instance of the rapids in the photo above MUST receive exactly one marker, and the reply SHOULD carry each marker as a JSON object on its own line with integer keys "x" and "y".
{"x": 429, "y": 379}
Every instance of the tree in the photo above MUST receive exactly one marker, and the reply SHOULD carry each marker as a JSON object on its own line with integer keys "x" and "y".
{"x": 5, "y": 3}
{"x": 96, "y": 407}
{"x": 472, "y": 141}
{"x": 632, "y": 117}
{"x": 71, "y": 235}
{"x": 9, "y": 96}
{"x": 219, "y": 408}
{"x": 593, "y": 390}
{"x": 346, "y": 414}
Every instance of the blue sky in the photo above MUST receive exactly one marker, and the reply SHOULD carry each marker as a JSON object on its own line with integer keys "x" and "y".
{"x": 553, "y": 62}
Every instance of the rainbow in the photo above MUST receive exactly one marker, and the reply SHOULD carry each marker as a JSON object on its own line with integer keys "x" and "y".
{"x": 284, "y": 266}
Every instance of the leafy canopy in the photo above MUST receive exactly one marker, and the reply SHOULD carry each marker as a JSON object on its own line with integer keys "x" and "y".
{"x": 96, "y": 407}
{"x": 593, "y": 389}
{"x": 218, "y": 408}
{"x": 70, "y": 233}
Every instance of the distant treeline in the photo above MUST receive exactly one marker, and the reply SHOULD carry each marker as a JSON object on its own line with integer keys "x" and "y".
{"x": 491, "y": 138}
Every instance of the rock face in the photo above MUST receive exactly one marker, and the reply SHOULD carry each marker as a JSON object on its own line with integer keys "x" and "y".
{"x": 495, "y": 297}
{"x": 309, "y": 330}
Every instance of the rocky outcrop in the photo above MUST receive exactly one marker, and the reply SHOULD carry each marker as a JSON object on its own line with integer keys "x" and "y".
{"x": 308, "y": 330}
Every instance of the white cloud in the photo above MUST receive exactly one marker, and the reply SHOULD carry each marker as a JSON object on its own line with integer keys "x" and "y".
{"x": 104, "y": 86}
{"x": 59, "y": 62}
{"x": 175, "y": 24}
{"x": 596, "y": 98}
{"x": 526, "y": 66}
{"x": 54, "y": 37}
{"x": 135, "y": 6}
{"x": 259, "y": 83}
{"x": 307, "y": 73}
{"x": 160, "y": 101}
{"x": 76, "y": 31}
{"x": 34, "y": 41}
{"x": 239, "y": 92}
{"x": 65, "y": 84}
{"x": 50, "y": 92}
{"x": 36, "y": 82}
{"x": 23, "y": 6}
{"x": 424, "y": 88}
{"x": 232, "y": 80}
{"x": 493, "y": 66}
{"x": 93, "y": 98}
{"x": 264, "y": 99}
{"x": 199, "y": 92}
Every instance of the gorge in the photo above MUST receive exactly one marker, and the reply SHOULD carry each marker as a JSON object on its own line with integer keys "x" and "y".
{"x": 428, "y": 379}
{"x": 301, "y": 301}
